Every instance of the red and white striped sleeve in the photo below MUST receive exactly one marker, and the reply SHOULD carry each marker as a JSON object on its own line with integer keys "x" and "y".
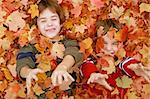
{"x": 124, "y": 66}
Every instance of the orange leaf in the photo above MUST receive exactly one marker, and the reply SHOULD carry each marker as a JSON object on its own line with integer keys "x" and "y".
{"x": 122, "y": 34}
{"x": 99, "y": 44}
{"x": 3, "y": 85}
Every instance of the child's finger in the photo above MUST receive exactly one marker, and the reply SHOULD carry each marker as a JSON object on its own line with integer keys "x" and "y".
{"x": 35, "y": 77}
{"x": 70, "y": 77}
{"x": 147, "y": 78}
{"x": 53, "y": 77}
{"x": 107, "y": 86}
{"x": 65, "y": 77}
{"x": 89, "y": 80}
{"x": 59, "y": 79}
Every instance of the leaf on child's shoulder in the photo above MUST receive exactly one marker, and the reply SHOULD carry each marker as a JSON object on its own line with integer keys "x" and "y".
{"x": 110, "y": 67}
{"x": 124, "y": 82}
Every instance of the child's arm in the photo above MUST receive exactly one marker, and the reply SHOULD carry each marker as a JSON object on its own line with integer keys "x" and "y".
{"x": 90, "y": 72}
{"x": 26, "y": 64}
{"x": 72, "y": 57}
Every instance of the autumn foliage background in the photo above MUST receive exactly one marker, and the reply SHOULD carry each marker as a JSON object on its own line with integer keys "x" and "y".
{"x": 17, "y": 28}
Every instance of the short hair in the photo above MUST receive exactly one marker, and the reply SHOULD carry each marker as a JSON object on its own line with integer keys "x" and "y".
{"x": 53, "y": 6}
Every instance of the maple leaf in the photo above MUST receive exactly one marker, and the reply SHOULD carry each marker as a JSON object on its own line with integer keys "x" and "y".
{"x": 122, "y": 34}
{"x": 76, "y": 11}
{"x": 145, "y": 51}
{"x": 5, "y": 43}
{"x": 98, "y": 3}
{"x": 146, "y": 88}
{"x": 87, "y": 43}
{"x": 124, "y": 82}
{"x": 121, "y": 53}
{"x": 80, "y": 28}
{"x": 7, "y": 74}
{"x": 12, "y": 90}
{"x": 116, "y": 12}
{"x": 41, "y": 77}
{"x": 2, "y": 60}
{"x": 12, "y": 19}
{"x": 37, "y": 89}
{"x": 111, "y": 68}
{"x": 68, "y": 24}
{"x": 58, "y": 50}
{"x": 2, "y": 14}
{"x": 3, "y": 85}
{"x": 131, "y": 95}
{"x": 76, "y": 2}
{"x": 144, "y": 7}
{"x": 129, "y": 21}
{"x": 33, "y": 11}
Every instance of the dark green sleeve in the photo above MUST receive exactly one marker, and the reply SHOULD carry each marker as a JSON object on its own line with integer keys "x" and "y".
{"x": 72, "y": 48}
{"x": 28, "y": 61}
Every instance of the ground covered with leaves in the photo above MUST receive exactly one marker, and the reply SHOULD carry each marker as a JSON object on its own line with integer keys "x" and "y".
{"x": 17, "y": 29}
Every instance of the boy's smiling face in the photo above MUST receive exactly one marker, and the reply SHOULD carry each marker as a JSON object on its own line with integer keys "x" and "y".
{"x": 49, "y": 23}
{"x": 110, "y": 45}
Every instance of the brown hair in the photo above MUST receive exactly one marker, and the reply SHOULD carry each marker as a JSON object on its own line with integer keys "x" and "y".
{"x": 53, "y": 6}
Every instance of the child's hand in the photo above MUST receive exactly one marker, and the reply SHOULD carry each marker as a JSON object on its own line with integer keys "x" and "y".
{"x": 100, "y": 79}
{"x": 32, "y": 75}
{"x": 60, "y": 75}
{"x": 140, "y": 70}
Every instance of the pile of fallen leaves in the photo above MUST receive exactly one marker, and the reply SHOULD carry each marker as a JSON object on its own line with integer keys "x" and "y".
{"x": 17, "y": 29}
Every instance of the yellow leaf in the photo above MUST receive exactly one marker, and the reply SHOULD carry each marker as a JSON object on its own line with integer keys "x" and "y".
{"x": 111, "y": 68}
{"x": 145, "y": 51}
{"x": 33, "y": 11}
{"x": 7, "y": 74}
{"x": 3, "y": 85}
{"x": 146, "y": 88}
{"x": 87, "y": 43}
{"x": 5, "y": 44}
{"x": 15, "y": 21}
{"x": 116, "y": 12}
{"x": 144, "y": 7}
{"x": 41, "y": 77}
{"x": 124, "y": 81}
{"x": 121, "y": 53}
{"x": 80, "y": 28}
{"x": 2, "y": 14}
{"x": 58, "y": 50}
{"x": 68, "y": 25}
{"x": 37, "y": 89}
{"x": 2, "y": 31}
{"x": 131, "y": 95}
{"x": 2, "y": 60}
